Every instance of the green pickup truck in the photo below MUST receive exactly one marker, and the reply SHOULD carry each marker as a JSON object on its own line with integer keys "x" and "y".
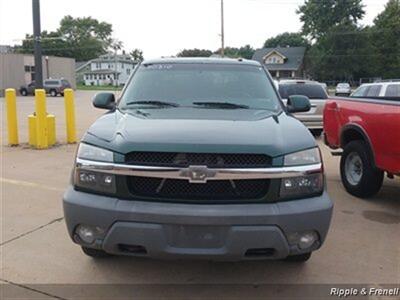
{"x": 198, "y": 158}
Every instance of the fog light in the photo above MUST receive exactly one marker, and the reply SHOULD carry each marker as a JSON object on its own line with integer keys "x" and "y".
{"x": 86, "y": 234}
{"x": 108, "y": 179}
{"x": 302, "y": 239}
{"x": 307, "y": 240}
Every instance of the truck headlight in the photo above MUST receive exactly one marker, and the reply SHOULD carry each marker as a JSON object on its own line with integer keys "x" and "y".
{"x": 89, "y": 152}
{"x": 92, "y": 180}
{"x": 307, "y": 185}
{"x": 305, "y": 157}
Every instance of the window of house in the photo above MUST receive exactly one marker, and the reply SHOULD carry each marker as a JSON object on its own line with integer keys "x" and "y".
{"x": 27, "y": 68}
{"x": 98, "y": 65}
{"x": 128, "y": 71}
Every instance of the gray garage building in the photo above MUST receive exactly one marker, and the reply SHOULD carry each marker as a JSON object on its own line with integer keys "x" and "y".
{"x": 19, "y": 69}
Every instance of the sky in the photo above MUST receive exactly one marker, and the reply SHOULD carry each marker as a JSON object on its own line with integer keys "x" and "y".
{"x": 165, "y": 27}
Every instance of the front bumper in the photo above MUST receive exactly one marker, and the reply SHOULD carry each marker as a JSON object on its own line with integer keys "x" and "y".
{"x": 201, "y": 231}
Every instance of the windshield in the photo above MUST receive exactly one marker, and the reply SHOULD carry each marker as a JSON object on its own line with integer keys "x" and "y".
{"x": 189, "y": 84}
{"x": 312, "y": 91}
{"x": 343, "y": 85}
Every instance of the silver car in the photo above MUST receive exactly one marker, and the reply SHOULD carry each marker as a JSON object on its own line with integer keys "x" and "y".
{"x": 53, "y": 87}
{"x": 343, "y": 89}
{"x": 317, "y": 95}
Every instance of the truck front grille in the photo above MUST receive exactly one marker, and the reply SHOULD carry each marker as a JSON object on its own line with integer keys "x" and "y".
{"x": 178, "y": 189}
{"x": 211, "y": 160}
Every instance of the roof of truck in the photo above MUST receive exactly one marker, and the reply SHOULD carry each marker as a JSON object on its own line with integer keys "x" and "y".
{"x": 201, "y": 60}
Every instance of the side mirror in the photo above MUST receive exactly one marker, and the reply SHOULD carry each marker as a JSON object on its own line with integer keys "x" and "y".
{"x": 104, "y": 100}
{"x": 298, "y": 103}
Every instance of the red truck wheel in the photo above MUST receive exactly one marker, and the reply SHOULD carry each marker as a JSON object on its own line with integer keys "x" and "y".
{"x": 359, "y": 176}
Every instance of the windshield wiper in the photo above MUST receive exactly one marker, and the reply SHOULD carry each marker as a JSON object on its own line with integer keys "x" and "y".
{"x": 226, "y": 105}
{"x": 153, "y": 102}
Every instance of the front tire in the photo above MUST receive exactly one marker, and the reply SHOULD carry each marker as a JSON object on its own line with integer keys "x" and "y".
{"x": 95, "y": 253}
{"x": 53, "y": 93}
{"x": 359, "y": 176}
{"x": 299, "y": 257}
{"x": 24, "y": 92}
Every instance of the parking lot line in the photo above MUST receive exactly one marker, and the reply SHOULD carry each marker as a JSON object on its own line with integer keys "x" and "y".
{"x": 30, "y": 184}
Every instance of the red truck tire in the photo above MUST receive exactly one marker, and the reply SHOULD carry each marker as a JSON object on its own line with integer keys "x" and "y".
{"x": 359, "y": 175}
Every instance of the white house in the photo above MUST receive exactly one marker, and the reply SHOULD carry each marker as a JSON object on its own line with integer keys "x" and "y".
{"x": 108, "y": 69}
{"x": 282, "y": 62}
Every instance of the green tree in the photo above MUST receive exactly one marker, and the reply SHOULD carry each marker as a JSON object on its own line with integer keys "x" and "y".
{"x": 338, "y": 56}
{"x": 136, "y": 54}
{"x": 52, "y": 44}
{"x": 292, "y": 39}
{"x": 79, "y": 38}
{"x": 319, "y": 16}
{"x": 386, "y": 41}
{"x": 88, "y": 38}
{"x": 244, "y": 52}
{"x": 195, "y": 53}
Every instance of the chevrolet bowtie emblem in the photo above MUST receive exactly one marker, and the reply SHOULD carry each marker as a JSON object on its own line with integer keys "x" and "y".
{"x": 197, "y": 174}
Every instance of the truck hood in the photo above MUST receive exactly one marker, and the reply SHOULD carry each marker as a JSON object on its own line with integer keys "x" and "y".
{"x": 200, "y": 130}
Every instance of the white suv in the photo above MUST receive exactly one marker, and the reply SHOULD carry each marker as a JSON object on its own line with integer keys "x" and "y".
{"x": 388, "y": 90}
{"x": 343, "y": 89}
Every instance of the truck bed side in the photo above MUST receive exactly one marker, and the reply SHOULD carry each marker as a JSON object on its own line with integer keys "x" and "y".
{"x": 375, "y": 121}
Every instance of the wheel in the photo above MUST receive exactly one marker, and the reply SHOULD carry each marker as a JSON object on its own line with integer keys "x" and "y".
{"x": 53, "y": 93}
{"x": 299, "y": 257}
{"x": 95, "y": 253}
{"x": 359, "y": 176}
{"x": 24, "y": 92}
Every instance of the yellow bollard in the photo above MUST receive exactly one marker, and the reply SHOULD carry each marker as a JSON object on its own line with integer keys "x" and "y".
{"x": 70, "y": 115}
{"x": 51, "y": 129}
{"x": 32, "y": 130}
{"x": 12, "y": 126}
{"x": 41, "y": 121}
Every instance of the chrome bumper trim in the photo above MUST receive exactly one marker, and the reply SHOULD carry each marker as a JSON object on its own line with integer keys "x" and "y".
{"x": 198, "y": 174}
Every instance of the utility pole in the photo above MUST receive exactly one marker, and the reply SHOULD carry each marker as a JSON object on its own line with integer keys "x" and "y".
{"x": 115, "y": 66}
{"x": 38, "y": 46}
{"x": 222, "y": 29}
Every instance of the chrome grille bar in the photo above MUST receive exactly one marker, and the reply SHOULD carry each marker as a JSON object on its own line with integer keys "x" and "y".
{"x": 199, "y": 174}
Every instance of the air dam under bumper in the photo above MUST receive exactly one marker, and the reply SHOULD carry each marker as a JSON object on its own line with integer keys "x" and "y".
{"x": 199, "y": 231}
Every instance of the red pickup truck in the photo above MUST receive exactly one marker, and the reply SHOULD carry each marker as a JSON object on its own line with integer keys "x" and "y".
{"x": 368, "y": 131}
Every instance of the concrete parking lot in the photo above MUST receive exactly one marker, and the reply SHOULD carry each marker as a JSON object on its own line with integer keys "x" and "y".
{"x": 363, "y": 245}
